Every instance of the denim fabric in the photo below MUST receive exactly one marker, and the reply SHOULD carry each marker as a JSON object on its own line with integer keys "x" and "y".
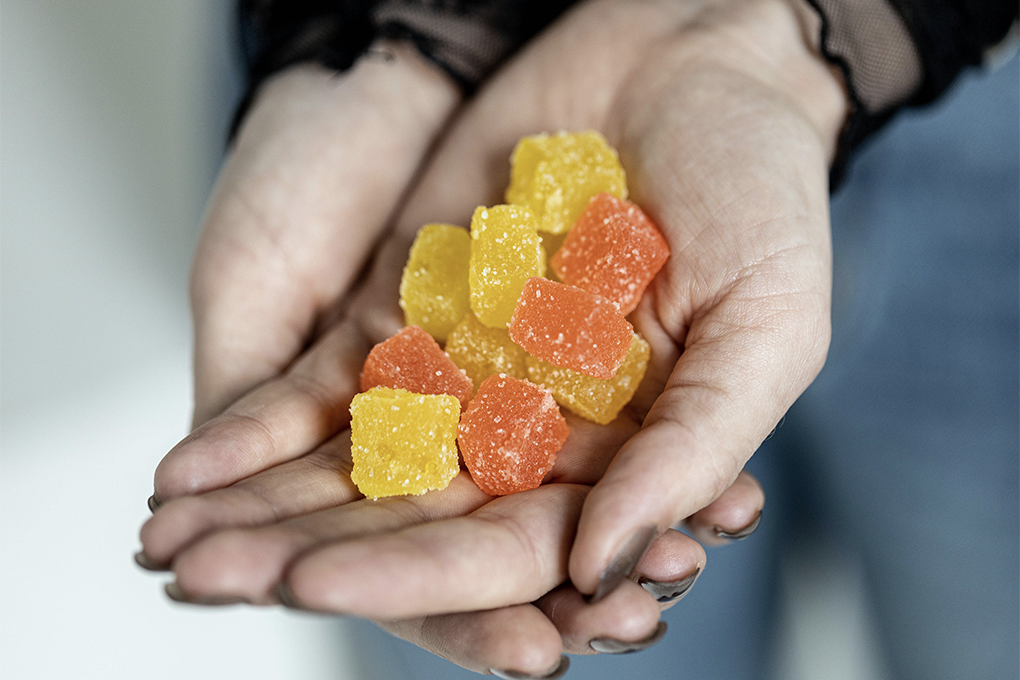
{"x": 905, "y": 450}
{"x": 910, "y": 436}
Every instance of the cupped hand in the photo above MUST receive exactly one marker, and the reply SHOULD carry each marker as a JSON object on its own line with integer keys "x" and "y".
{"x": 728, "y": 153}
{"x": 726, "y": 118}
{"x": 298, "y": 522}
{"x": 311, "y": 181}
{"x": 300, "y": 533}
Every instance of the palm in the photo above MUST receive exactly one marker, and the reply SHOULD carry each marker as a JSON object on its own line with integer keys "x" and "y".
{"x": 741, "y": 198}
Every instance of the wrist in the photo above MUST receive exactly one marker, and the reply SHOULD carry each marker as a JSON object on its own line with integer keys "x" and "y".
{"x": 820, "y": 87}
{"x": 407, "y": 91}
{"x": 776, "y": 42}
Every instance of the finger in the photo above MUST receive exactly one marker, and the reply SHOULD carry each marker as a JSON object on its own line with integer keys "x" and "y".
{"x": 298, "y": 207}
{"x": 626, "y": 620}
{"x": 510, "y": 551}
{"x": 732, "y": 516}
{"x": 279, "y": 421}
{"x": 248, "y": 564}
{"x": 670, "y": 567}
{"x": 720, "y": 403}
{"x": 318, "y": 480}
{"x": 743, "y": 200}
{"x": 511, "y": 642}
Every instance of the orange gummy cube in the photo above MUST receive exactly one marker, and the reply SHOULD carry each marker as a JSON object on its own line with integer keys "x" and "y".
{"x": 571, "y": 328}
{"x": 411, "y": 360}
{"x": 614, "y": 250}
{"x": 510, "y": 435}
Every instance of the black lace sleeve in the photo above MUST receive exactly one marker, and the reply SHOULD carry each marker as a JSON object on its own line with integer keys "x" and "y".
{"x": 466, "y": 38}
{"x": 277, "y": 34}
{"x": 896, "y": 53}
{"x": 892, "y": 53}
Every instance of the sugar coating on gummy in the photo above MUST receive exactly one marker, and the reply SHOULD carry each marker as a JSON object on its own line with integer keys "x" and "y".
{"x": 510, "y": 435}
{"x": 505, "y": 252}
{"x": 481, "y": 351}
{"x": 556, "y": 175}
{"x": 403, "y": 443}
{"x": 434, "y": 287}
{"x": 614, "y": 250}
{"x": 594, "y": 399}
{"x": 571, "y": 328}
{"x": 411, "y": 360}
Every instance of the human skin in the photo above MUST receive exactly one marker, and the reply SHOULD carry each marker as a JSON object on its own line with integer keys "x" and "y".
{"x": 725, "y": 119}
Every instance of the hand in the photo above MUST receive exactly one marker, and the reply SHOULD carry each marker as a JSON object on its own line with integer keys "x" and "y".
{"x": 296, "y": 212}
{"x": 239, "y": 543}
{"x": 476, "y": 184}
{"x": 725, "y": 118}
{"x": 444, "y": 551}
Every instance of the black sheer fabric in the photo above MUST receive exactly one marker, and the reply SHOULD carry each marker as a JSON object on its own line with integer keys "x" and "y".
{"x": 276, "y": 34}
{"x": 896, "y": 53}
{"x": 892, "y": 53}
{"x": 466, "y": 38}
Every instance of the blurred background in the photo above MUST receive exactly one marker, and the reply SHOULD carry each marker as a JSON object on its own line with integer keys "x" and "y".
{"x": 112, "y": 124}
{"x": 113, "y": 119}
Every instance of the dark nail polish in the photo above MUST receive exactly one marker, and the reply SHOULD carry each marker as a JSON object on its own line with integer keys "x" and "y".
{"x": 558, "y": 672}
{"x": 175, "y": 593}
{"x": 154, "y": 503}
{"x": 669, "y": 591}
{"x": 611, "y": 646}
{"x": 286, "y": 597}
{"x": 149, "y": 564}
{"x": 742, "y": 533}
{"x": 624, "y": 562}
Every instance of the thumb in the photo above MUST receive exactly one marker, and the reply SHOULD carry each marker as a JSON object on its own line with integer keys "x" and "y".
{"x": 744, "y": 364}
{"x": 315, "y": 174}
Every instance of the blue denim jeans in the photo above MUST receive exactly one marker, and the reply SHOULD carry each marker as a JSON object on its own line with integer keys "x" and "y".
{"x": 905, "y": 449}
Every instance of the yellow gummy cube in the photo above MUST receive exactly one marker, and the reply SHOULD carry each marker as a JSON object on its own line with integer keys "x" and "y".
{"x": 482, "y": 351}
{"x": 434, "y": 290}
{"x": 403, "y": 443}
{"x": 593, "y": 398}
{"x": 505, "y": 252}
{"x": 556, "y": 175}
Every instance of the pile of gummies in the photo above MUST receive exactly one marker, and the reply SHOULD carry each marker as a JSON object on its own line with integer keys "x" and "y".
{"x": 520, "y": 340}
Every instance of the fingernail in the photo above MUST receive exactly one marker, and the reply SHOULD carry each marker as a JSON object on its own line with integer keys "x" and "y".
{"x": 741, "y": 533}
{"x": 149, "y": 564}
{"x": 624, "y": 562}
{"x": 286, "y": 597}
{"x": 669, "y": 591}
{"x": 558, "y": 671}
{"x": 175, "y": 593}
{"x": 612, "y": 646}
{"x": 154, "y": 503}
